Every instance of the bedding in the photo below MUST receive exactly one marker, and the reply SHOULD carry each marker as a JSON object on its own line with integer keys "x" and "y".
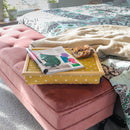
{"x": 106, "y": 39}
{"x": 53, "y": 23}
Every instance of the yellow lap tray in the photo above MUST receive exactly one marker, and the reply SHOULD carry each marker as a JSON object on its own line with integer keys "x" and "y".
{"x": 90, "y": 74}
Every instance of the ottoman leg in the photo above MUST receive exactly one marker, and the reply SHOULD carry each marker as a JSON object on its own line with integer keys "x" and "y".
{"x": 102, "y": 124}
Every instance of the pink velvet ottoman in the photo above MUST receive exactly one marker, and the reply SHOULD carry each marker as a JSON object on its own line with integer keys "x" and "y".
{"x": 56, "y": 107}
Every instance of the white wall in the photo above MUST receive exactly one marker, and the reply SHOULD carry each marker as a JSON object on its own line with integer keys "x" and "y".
{"x": 1, "y": 10}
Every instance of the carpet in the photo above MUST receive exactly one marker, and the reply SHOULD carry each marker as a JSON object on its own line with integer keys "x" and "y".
{"x": 13, "y": 115}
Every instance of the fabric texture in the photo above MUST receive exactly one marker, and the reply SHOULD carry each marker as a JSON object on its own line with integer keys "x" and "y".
{"x": 106, "y": 39}
{"x": 118, "y": 73}
{"x": 55, "y": 21}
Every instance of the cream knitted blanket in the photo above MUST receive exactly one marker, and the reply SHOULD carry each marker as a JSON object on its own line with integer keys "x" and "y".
{"x": 106, "y": 39}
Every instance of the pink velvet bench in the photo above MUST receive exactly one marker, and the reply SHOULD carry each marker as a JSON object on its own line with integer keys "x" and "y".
{"x": 55, "y": 107}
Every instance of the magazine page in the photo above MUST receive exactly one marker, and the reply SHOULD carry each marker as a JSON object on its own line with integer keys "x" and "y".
{"x": 56, "y": 59}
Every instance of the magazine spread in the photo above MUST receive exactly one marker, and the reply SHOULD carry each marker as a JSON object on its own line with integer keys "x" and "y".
{"x": 54, "y": 60}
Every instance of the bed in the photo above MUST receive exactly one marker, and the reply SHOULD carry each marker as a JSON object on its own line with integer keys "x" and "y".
{"x": 54, "y": 22}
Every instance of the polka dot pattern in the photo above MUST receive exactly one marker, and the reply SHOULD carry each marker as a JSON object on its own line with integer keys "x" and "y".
{"x": 80, "y": 76}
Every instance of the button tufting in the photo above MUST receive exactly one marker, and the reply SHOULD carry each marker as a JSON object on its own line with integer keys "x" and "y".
{"x": 11, "y": 45}
{"x": 21, "y": 30}
{"x": 6, "y": 28}
{"x": 17, "y": 37}
{"x": 34, "y": 39}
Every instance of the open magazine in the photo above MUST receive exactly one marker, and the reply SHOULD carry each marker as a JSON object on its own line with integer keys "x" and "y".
{"x": 54, "y": 60}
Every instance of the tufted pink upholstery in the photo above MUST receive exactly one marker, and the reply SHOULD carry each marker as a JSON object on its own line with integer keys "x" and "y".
{"x": 18, "y": 36}
{"x": 56, "y": 107}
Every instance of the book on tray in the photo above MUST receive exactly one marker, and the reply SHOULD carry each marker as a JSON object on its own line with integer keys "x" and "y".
{"x": 54, "y": 60}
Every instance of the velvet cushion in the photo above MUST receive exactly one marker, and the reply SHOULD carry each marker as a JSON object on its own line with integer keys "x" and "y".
{"x": 61, "y": 106}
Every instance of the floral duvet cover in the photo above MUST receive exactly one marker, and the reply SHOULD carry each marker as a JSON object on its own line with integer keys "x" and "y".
{"x": 53, "y": 22}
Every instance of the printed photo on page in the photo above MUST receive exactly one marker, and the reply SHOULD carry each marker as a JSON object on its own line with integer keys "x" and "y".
{"x": 57, "y": 59}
